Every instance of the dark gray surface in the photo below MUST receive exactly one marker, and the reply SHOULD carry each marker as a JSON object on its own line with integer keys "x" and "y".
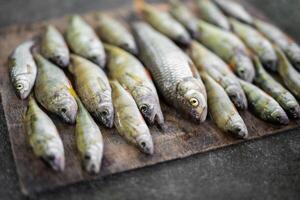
{"x": 265, "y": 169}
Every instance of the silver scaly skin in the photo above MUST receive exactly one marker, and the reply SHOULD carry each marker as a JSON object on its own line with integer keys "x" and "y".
{"x": 132, "y": 75}
{"x": 93, "y": 88}
{"x": 172, "y": 72}
{"x": 128, "y": 121}
{"x": 89, "y": 140}
{"x": 54, "y": 47}
{"x": 286, "y": 43}
{"x": 217, "y": 69}
{"x": 114, "y": 32}
{"x": 54, "y": 91}
{"x": 229, "y": 47}
{"x": 22, "y": 69}
{"x": 43, "y": 136}
{"x": 84, "y": 41}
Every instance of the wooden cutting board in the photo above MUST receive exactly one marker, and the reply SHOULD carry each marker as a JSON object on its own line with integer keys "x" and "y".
{"x": 180, "y": 139}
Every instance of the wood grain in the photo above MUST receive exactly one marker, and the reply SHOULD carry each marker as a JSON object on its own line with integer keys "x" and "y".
{"x": 180, "y": 139}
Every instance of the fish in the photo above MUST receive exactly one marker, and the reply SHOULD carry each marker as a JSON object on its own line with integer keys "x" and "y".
{"x": 114, "y": 32}
{"x": 128, "y": 120}
{"x": 166, "y": 24}
{"x": 54, "y": 91}
{"x": 222, "y": 110}
{"x": 217, "y": 69}
{"x": 289, "y": 75}
{"x": 183, "y": 15}
{"x": 266, "y": 82}
{"x": 133, "y": 76}
{"x": 172, "y": 72}
{"x": 84, "y": 41}
{"x": 261, "y": 46}
{"x": 43, "y": 136}
{"x": 234, "y": 9}
{"x": 263, "y": 105}
{"x": 211, "y": 13}
{"x": 92, "y": 86}
{"x": 54, "y": 47}
{"x": 285, "y": 42}
{"x": 22, "y": 69}
{"x": 89, "y": 140}
{"x": 229, "y": 47}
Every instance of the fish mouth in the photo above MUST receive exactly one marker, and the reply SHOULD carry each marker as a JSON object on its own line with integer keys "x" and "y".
{"x": 294, "y": 112}
{"x": 91, "y": 165}
{"x": 184, "y": 40}
{"x": 280, "y": 118}
{"x": 68, "y": 112}
{"x": 238, "y": 98}
{"x": 130, "y": 48}
{"x": 62, "y": 61}
{"x": 56, "y": 162}
{"x": 99, "y": 60}
{"x": 239, "y": 131}
{"x": 145, "y": 144}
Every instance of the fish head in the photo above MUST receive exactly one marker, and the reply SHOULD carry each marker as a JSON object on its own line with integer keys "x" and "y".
{"x": 92, "y": 159}
{"x": 22, "y": 86}
{"x": 66, "y": 107}
{"x": 145, "y": 143}
{"x": 239, "y": 130}
{"x": 237, "y": 96}
{"x": 279, "y": 116}
{"x": 192, "y": 100}
{"x": 54, "y": 156}
{"x": 244, "y": 67}
{"x": 293, "y": 109}
{"x": 105, "y": 114}
{"x": 62, "y": 59}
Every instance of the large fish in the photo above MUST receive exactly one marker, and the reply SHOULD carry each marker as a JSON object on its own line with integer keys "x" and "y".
{"x": 210, "y": 12}
{"x": 54, "y": 91}
{"x": 263, "y": 105}
{"x": 43, "y": 136}
{"x": 216, "y": 68}
{"x": 166, "y": 24}
{"x": 234, "y": 9}
{"x": 229, "y": 47}
{"x": 287, "y": 44}
{"x": 54, "y": 47}
{"x": 89, "y": 140}
{"x": 276, "y": 90}
{"x": 83, "y": 41}
{"x": 93, "y": 88}
{"x": 132, "y": 75}
{"x": 22, "y": 69}
{"x": 262, "y": 47}
{"x": 172, "y": 72}
{"x": 221, "y": 109}
{"x": 186, "y": 17}
{"x": 128, "y": 120}
{"x": 289, "y": 75}
{"x": 114, "y": 32}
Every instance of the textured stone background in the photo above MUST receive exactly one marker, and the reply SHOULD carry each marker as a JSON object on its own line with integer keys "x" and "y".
{"x": 265, "y": 169}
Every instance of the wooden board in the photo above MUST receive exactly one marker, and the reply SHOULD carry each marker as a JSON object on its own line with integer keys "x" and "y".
{"x": 181, "y": 138}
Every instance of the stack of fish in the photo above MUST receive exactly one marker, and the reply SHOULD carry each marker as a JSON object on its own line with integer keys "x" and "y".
{"x": 221, "y": 55}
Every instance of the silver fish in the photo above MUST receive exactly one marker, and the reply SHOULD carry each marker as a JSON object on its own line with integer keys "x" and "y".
{"x": 22, "y": 69}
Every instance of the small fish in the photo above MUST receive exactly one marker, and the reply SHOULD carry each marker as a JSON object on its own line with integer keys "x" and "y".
{"x": 54, "y": 91}
{"x": 172, "y": 71}
{"x": 54, "y": 47}
{"x": 235, "y": 10}
{"x": 266, "y": 82}
{"x": 212, "y": 14}
{"x": 183, "y": 15}
{"x": 132, "y": 75}
{"x": 43, "y": 136}
{"x": 164, "y": 23}
{"x": 22, "y": 69}
{"x": 221, "y": 109}
{"x": 93, "y": 88}
{"x": 83, "y": 41}
{"x": 229, "y": 47}
{"x": 287, "y": 44}
{"x": 114, "y": 32}
{"x": 262, "y": 47}
{"x": 216, "y": 68}
{"x": 89, "y": 140}
{"x": 129, "y": 122}
{"x": 289, "y": 75}
{"x": 263, "y": 105}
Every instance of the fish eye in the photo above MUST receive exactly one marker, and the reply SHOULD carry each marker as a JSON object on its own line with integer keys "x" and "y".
{"x": 104, "y": 113}
{"x": 143, "y": 144}
{"x": 194, "y": 102}
{"x": 144, "y": 108}
{"x": 19, "y": 86}
{"x": 64, "y": 110}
